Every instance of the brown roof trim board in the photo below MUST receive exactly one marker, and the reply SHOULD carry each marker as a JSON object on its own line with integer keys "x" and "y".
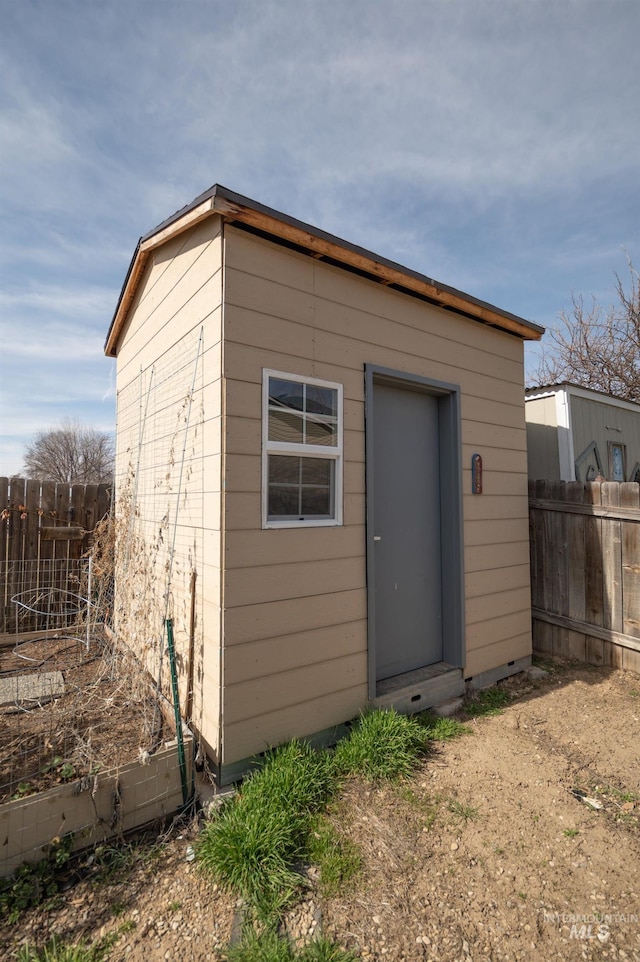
{"x": 243, "y": 211}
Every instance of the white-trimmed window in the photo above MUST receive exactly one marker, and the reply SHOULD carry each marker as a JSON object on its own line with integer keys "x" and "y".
{"x": 617, "y": 461}
{"x": 301, "y": 451}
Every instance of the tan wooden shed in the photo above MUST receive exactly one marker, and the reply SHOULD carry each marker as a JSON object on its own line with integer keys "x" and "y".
{"x": 321, "y": 478}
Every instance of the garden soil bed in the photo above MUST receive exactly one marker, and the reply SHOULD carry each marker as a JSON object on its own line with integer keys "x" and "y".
{"x": 103, "y": 713}
{"x": 485, "y": 853}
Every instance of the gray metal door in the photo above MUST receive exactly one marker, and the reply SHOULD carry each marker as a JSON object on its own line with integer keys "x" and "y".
{"x": 407, "y": 548}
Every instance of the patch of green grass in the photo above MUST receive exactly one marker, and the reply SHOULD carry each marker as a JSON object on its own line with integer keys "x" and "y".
{"x": 610, "y": 793}
{"x": 254, "y": 843}
{"x": 254, "y": 840}
{"x": 625, "y": 801}
{"x": 175, "y": 906}
{"x": 463, "y": 812}
{"x": 383, "y": 745}
{"x": 338, "y": 859}
{"x": 427, "y": 805}
{"x": 440, "y": 729}
{"x": 58, "y": 951}
{"x": 571, "y": 832}
{"x": 269, "y": 947}
{"x": 622, "y": 796}
{"x": 266, "y": 947}
{"x": 111, "y": 861}
{"x": 490, "y": 701}
{"x": 103, "y": 946}
{"x": 323, "y": 950}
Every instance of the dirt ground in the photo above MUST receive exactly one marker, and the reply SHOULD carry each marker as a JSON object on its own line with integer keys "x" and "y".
{"x": 485, "y": 853}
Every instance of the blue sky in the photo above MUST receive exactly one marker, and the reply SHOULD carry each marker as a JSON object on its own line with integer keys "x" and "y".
{"x": 492, "y": 145}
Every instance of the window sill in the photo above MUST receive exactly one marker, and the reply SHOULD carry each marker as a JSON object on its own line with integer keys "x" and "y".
{"x": 304, "y": 523}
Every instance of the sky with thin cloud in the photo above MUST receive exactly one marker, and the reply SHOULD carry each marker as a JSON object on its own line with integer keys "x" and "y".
{"x": 494, "y": 146}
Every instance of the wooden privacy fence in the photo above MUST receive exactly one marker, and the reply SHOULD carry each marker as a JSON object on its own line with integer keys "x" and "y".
{"x": 585, "y": 570}
{"x": 44, "y": 530}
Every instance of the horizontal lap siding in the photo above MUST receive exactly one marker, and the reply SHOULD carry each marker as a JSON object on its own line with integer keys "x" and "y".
{"x": 169, "y": 462}
{"x": 259, "y": 732}
{"x": 320, "y": 350}
{"x": 295, "y": 600}
{"x": 271, "y": 656}
{"x": 516, "y": 645}
{"x": 272, "y": 619}
{"x": 251, "y": 548}
{"x": 495, "y": 556}
{"x": 179, "y": 290}
{"x": 294, "y": 686}
{"x": 483, "y": 583}
{"x": 286, "y": 581}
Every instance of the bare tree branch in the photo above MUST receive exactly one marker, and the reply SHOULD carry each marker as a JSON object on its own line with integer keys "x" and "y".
{"x": 72, "y": 453}
{"x": 597, "y": 348}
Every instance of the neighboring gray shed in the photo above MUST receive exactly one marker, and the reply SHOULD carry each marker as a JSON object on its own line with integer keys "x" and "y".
{"x": 575, "y": 434}
{"x": 297, "y": 423}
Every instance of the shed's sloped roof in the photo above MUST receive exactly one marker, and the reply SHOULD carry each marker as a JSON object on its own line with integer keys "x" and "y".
{"x": 244, "y": 212}
{"x": 540, "y": 390}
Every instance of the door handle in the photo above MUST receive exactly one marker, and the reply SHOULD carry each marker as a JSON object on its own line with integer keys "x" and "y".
{"x": 377, "y": 537}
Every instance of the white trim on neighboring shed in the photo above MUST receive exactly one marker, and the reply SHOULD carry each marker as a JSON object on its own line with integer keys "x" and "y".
{"x": 565, "y": 435}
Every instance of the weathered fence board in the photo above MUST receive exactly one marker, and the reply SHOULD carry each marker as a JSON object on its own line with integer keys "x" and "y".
{"x": 576, "y": 592}
{"x": 29, "y": 511}
{"x": 585, "y": 570}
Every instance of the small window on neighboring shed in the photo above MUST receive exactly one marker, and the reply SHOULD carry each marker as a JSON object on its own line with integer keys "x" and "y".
{"x": 301, "y": 451}
{"x": 617, "y": 461}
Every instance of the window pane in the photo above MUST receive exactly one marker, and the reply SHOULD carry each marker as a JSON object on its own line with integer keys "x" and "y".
{"x": 317, "y": 471}
{"x": 286, "y": 394}
{"x": 321, "y": 432}
{"x": 300, "y": 487}
{"x": 286, "y": 426}
{"x": 316, "y": 502}
{"x": 322, "y": 400}
{"x": 284, "y": 501}
{"x": 283, "y": 470}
